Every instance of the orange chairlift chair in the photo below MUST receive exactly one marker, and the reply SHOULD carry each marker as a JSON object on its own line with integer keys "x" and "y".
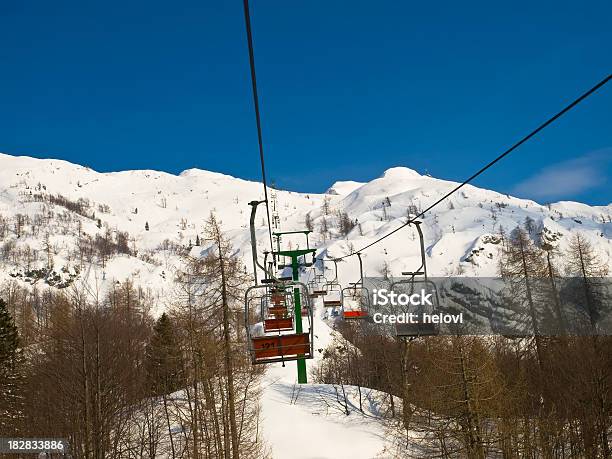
{"x": 355, "y": 299}
{"x": 274, "y": 333}
{"x": 277, "y": 340}
{"x": 276, "y": 309}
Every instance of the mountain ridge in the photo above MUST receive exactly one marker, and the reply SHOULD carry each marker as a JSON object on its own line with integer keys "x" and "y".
{"x": 160, "y": 212}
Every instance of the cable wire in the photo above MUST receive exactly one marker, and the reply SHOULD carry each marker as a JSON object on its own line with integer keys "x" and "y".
{"x": 490, "y": 164}
{"x": 247, "y": 20}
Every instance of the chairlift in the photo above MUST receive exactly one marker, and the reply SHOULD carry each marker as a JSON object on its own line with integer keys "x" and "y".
{"x": 333, "y": 296}
{"x": 316, "y": 284}
{"x": 355, "y": 300}
{"x": 411, "y": 283}
{"x": 277, "y": 310}
{"x": 275, "y": 333}
{"x": 319, "y": 285}
{"x": 277, "y": 340}
{"x": 333, "y": 291}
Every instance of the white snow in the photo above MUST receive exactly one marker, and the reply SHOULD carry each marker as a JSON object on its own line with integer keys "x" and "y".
{"x": 457, "y": 236}
{"x": 317, "y": 412}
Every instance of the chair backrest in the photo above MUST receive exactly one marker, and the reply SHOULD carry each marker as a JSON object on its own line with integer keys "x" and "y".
{"x": 355, "y": 302}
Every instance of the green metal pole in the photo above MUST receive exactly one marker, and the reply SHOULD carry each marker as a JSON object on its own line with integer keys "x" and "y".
{"x": 301, "y": 362}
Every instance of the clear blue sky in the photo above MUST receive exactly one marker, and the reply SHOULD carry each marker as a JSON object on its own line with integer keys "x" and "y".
{"x": 348, "y": 89}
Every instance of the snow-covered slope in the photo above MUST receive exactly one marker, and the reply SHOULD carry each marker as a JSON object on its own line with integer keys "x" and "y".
{"x": 318, "y": 411}
{"x": 459, "y": 233}
{"x": 52, "y": 211}
{"x": 158, "y": 210}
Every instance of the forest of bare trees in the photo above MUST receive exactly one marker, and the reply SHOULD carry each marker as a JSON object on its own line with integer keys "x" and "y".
{"x": 538, "y": 396}
{"x": 117, "y": 383}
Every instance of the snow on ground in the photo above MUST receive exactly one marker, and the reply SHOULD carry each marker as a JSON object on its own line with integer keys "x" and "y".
{"x": 309, "y": 421}
{"x": 158, "y": 209}
{"x": 175, "y": 208}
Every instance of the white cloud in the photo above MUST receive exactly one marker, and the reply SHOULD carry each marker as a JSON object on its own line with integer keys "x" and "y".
{"x": 567, "y": 179}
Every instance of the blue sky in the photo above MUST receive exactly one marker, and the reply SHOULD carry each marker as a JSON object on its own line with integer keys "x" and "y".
{"x": 348, "y": 89}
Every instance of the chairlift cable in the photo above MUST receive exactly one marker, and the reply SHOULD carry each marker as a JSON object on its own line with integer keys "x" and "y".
{"x": 247, "y": 20}
{"x": 490, "y": 164}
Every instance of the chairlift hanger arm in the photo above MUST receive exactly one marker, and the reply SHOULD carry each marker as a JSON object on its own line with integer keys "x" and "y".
{"x": 360, "y": 268}
{"x": 423, "y": 266}
{"x": 330, "y": 260}
{"x": 256, "y": 263}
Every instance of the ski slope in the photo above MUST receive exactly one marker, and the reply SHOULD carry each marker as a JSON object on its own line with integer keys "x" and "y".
{"x": 158, "y": 210}
{"x": 459, "y": 233}
{"x": 307, "y": 421}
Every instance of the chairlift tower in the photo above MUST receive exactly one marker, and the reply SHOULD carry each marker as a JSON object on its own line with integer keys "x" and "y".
{"x": 275, "y": 215}
{"x": 298, "y": 259}
{"x": 283, "y": 346}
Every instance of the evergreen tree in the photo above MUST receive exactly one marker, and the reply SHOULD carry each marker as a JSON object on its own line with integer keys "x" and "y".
{"x": 146, "y": 226}
{"x": 11, "y": 379}
{"x": 164, "y": 360}
{"x": 345, "y": 224}
{"x": 308, "y": 222}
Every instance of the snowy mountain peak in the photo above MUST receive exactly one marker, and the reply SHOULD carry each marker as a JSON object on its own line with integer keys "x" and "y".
{"x": 204, "y": 174}
{"x": 151, "y": 215}
{"x": 400, "y": 173}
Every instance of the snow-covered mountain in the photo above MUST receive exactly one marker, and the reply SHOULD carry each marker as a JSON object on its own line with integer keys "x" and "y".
{"x": 51, "y": 211}
{"x": 63, "y": 224}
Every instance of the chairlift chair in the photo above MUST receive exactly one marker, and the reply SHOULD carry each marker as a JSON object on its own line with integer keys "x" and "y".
{"x": 333, "y": 291}
{"x": 410, "y": 283}
{"x": 356, "y": 298}
{"x": 277, "y": 312}
{"x": 333, "y": 295}
{"x": 284, "y": 343}
{"x": 319, "y": 285}
{"x": 277, "y": 340}
{"x": 355, "y": 301}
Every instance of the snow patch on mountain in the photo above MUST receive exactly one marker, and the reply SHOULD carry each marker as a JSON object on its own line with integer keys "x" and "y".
{"x": 343, "y": 188}
{"x": 161, "y": 212}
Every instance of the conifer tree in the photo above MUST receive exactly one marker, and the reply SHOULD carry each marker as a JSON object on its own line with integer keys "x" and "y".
{"x": 308, "y": 222}
{"x": 164, "y": 360}
{"x": 11, "y": 367}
